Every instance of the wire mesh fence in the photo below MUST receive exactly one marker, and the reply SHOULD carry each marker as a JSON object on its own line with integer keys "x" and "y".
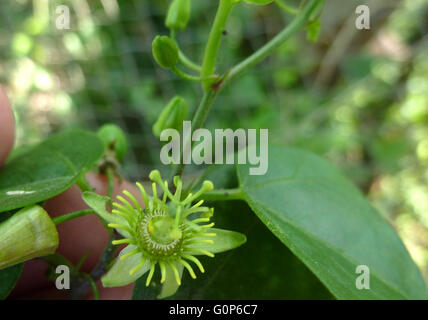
{"x": 101, "y": 69}
{"x": 373, "y": 102}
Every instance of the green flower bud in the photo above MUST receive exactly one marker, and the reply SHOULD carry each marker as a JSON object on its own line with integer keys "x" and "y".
{"x": 172, "y": 116}
{"x": 28, "y": 234}
{"x": 178, "y": 14}
{"x": 165, "y": 51}
{"x": 114, "y": 139}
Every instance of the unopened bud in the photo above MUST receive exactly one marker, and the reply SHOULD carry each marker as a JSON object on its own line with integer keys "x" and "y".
{"x": 178, "y": 14}
{"x": 165, "y": 51}
{"x": 28, "y": 234}
{"x": 114, "y": 139}
{"x": 172, "y": 116}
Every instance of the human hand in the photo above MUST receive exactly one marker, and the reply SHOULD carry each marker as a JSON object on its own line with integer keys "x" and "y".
{"x": 76, "y": 237}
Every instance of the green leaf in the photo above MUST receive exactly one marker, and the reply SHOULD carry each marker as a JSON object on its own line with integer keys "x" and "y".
{"x": 328, "y": 224}
{"x": 48, "y": 168}
{"x": 8, "y": 279}
{"x": 263, "y": 268}
{"x": 119, "y": 275}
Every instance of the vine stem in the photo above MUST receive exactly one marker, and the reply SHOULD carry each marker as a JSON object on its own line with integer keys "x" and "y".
{"x": 189, "y": 77}
{"x": 211, "y": 91}
{"x": 72, "y": 215}
{"x": 94, "y": 287}
{"x": 213, "y": 44}
{"x": 208, "y": 69}
{"x": 110, "y": 185}
{"x": 187, "y": 62}
{"x": 286, "y": 7}
{"x": 224, "y": 194}
{"x": 183, "y": 58}
{"x": 199, "y": 119}
{"x": 258, "y": 56}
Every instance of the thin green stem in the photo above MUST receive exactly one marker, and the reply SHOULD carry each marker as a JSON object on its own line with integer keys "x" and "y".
{"x": 110, "y": 187}
{"x": 203, "y": 109}
{"x": 82, "y": 260}
{"x": 72, "y": 215}
{"x": 213, "y": 44}
{"x": 222, "y": 195}
{"x": 189, "y": 77}
{"x": 183, "y": 58}
{"x": 286, "y": 7}
{"x": 261, "y": 54}
{"x": 94, "y": 287}
{"x": 83, "y": 184}
{"x": 208, "y": 68}
{"x": 199, "y": 119}
{"x": 208, "y": 65}
{"x": 187, "y": 62}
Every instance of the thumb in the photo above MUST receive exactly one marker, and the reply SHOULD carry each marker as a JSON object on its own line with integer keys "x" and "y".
{"x": 7, "y": 127}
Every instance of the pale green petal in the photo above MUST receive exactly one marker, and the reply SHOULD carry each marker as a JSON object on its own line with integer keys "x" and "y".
{"x": 170, "y": 286}
{"x": 223, "y": 240}
{"x": 98, "y": 204}
{"x": 119, "y": 275}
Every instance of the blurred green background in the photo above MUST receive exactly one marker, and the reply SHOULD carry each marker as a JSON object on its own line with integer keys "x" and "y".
{"x": 356, "y": 97}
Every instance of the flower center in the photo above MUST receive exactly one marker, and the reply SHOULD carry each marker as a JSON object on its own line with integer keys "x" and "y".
{"x": 159, "y": 235}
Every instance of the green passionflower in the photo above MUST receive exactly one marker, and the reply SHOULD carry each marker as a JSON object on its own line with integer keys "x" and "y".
{"x": 168, "y": 231}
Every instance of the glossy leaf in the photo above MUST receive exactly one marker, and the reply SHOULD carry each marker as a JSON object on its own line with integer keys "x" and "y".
{"x": 315, "y": 211}
{"x": 47, "y": 169}
{"x": 8, "y": 279}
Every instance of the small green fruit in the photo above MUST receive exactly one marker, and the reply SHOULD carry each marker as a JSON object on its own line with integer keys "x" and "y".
{"x": 171, "y": 117}
{"x": 178, "y": 14}
{"x": 165, "y": 52}
{"x": 28, "y": 234}
{"x": 114, "y": 139}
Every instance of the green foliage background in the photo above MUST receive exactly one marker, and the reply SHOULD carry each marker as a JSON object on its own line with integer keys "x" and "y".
{"x": 358, "y": 98}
